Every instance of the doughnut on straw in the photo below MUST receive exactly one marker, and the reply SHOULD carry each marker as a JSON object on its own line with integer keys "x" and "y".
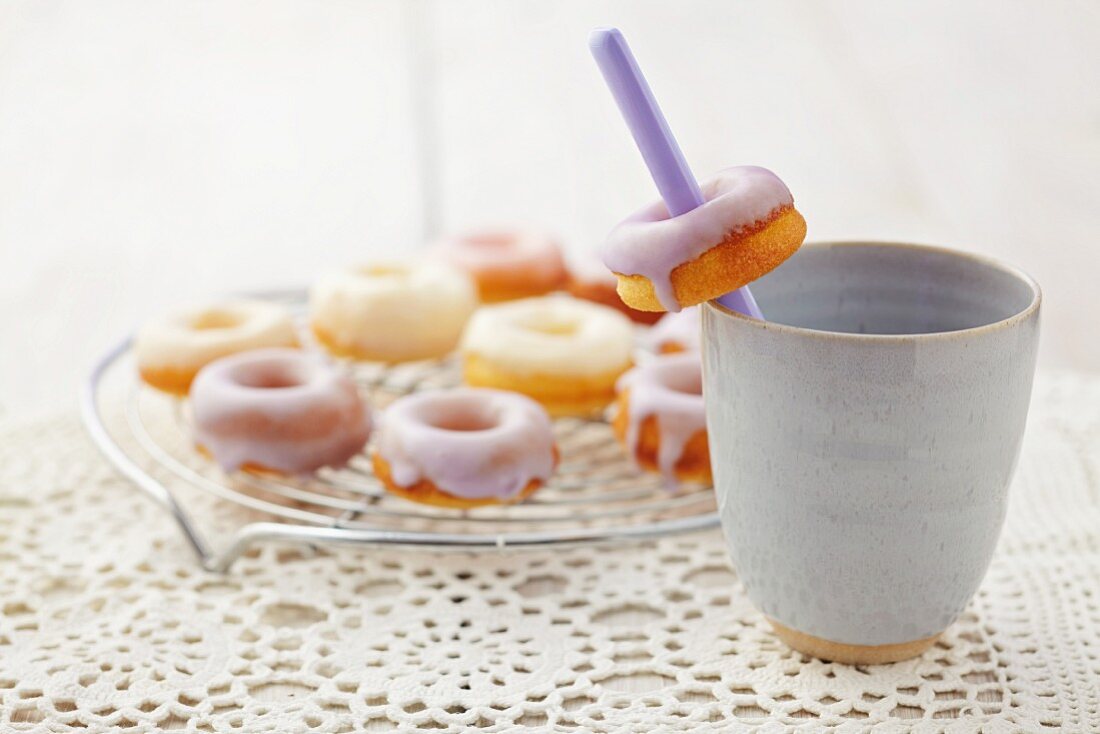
{"x": 658, "y": 147}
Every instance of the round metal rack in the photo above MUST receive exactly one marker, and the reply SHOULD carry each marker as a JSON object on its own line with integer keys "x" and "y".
{"x": 595, "y": 496}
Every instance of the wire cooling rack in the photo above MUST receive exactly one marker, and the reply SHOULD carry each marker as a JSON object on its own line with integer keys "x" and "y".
{"x": 595, "y": 496}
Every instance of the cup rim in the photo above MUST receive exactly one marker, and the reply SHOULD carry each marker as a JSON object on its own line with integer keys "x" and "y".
{"x": 1022, "y": 315}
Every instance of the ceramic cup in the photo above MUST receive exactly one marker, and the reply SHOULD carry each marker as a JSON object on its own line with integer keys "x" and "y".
{"x": 864, "y": 437}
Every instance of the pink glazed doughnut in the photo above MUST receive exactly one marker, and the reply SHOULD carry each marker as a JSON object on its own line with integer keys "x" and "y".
{"x": 745, "y": 229}
{"x": 507, "y": 265}
{"x": 660, "y": 418}
{"x": 465, "y": 447}
{"x": 278, "y": 410}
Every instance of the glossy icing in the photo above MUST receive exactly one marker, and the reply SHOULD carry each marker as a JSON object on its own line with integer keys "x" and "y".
{"x": 393, "y": 311}
{"x": 651, "y": 244}
{"x": 473, "y": 443}
{"x": 669, "y": 388}
{"x": 282, "y": 409}
{"x": 555, "y": 335}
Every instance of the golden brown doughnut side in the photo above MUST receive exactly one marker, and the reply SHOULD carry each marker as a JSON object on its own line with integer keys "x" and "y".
{"x": 742, "y": 257}
{"x": 561, "y": 395}
{"x": 171, "y": 380}
{"x": 249, "y": 467}
{"x": 426, "y": 492}
{"x": 494, "y": 287}
{"x": 693, "y": 464}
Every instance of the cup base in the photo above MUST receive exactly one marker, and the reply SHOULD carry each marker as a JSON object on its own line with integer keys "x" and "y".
{"x": 839, "y": 652}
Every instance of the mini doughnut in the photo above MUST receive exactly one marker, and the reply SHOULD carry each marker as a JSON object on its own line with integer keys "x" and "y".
{"x": 745, "y": 229}
{"x": 278, "y": 410}
{"x": 507, "y": 265}
{"x": 172, "y": 349}
{"x": 677, "y": 332}
{"x": 392, "y": 312}
{"x": 563, "y": 352}
{"x": 659, "y": 418}
{"x": 590, "y": 280}
{"x": 464, "y": 447}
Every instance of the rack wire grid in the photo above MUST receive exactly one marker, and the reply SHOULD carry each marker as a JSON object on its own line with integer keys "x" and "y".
{"x": 596, "y": 495}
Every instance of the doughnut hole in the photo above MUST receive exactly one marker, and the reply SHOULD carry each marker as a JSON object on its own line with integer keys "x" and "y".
{"x": 552, "y": 326}
{"x": 462, "y": 417}
{"x": 270, "y": 377}
{"x": 391, "y": 270}
{"x": 215, "y": 318}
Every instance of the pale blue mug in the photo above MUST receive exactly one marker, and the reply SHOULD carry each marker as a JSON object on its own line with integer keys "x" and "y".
{"x": 864, "y": 437}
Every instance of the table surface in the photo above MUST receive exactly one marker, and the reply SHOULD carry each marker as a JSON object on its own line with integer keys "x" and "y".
{"x": 107, "y": 622}
{"x": 155, "y": 153}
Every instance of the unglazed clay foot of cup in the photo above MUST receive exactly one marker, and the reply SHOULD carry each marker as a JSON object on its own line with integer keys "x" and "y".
{"x": 838, "y": 652}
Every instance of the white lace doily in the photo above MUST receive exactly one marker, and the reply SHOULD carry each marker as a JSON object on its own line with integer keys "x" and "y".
{"x": 107, "y": 622}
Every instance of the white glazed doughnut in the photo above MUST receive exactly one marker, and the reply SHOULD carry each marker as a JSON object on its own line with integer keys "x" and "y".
{"x": 464, "y": 447}
{"x": 281, "y": 410}
{"x": 172, "y": 349}
{"x": 392, "y": 312}
{"x": 561, "y": 351}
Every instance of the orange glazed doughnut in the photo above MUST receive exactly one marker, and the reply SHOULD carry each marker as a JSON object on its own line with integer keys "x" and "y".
{"x": 591, "y": 281}
{"x": 563, "y": 352}
{"x": 464, "y": 447}
{"x": 507, "y": 265}
{"x": 745, "y": 229}
{"x": 659, "y": 418}
{"x": 170, "y": 350}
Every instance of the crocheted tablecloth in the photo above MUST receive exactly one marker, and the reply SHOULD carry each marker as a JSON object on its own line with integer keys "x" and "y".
{"x": 107, "y": 622}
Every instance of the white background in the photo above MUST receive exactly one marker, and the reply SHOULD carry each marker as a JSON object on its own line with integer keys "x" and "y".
{"x": 154, "y": 152}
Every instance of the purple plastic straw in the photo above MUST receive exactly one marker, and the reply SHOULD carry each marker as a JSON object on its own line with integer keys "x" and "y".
{"x": 659, "y": 148}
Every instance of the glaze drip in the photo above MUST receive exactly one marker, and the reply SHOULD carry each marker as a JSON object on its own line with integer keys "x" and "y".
{"x": 668, "y": 388}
